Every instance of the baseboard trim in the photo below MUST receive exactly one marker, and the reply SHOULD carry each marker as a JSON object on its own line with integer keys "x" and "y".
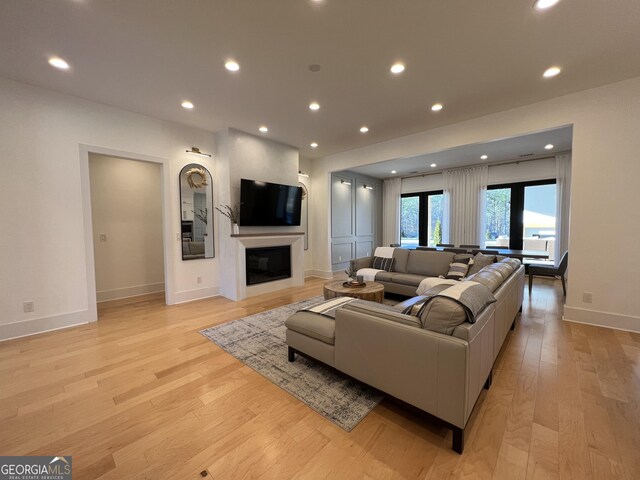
{"x": 616, "y": 321}
{"x": 35, "y": 326}
{"x": 318, "y": 273}
{"x": 192, "y": 295}
{"x": 126, "y": 292}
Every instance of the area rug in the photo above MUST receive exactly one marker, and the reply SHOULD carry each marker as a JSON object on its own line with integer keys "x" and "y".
{"x": 259, "y": 342}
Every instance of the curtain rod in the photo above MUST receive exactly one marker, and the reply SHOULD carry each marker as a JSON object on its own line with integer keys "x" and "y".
{"x": 492, "y": 164}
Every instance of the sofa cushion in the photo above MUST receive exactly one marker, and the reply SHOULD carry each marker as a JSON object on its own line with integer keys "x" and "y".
{"x": 406, "y": 279}
{"x": 313, "y": 325}
{"x": 429, "y": 263}
{"x": 382, "y": 263}
{"x": 503, "y": 268}
{"x": 480, "y": 261}
{"x": 458, "y": 268}
{"x": 400, "y": 258}
{"x": 442, "y": 315}
{"x": 514, "y": 262}
{"x": 487, "y": 277}
{"x": 383, "y": 276}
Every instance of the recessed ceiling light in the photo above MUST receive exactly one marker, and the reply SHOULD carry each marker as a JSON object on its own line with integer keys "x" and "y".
{"x": 544, "y": 4}
{"x": 397, "y": 68}
{"x": 59, "y": 63}
{"x": 314, "y": 106}
{"x": 484, "y": 157}
{"x": 393, "y": 171}
{"x": 364, "y": 129}
{"x": 436, "y": 107}
{"x": 551, "y": 72}
{"x": 433, "y": 165}
{"x": 548, "y": 146}
{"x": 313, "y": 145}
{"x": 263, "y": 129}
{"x": 187, "y": 105}
{"x": 232, "y": 66}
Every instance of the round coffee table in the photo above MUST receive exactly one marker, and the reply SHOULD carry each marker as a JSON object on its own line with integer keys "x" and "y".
{"x": 372, "y": 291}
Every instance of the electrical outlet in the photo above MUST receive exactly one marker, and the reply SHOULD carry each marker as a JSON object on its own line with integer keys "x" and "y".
{"x": 339, "y": 258}
{"x": 587, "y": 297}
{"x": 103, "y": 237}
{"x": 28, "y": 307}
{"x": 198, "y": 280}
{"x": 178, "y": 236}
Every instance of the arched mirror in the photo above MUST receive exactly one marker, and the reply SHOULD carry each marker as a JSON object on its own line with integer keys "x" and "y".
{"x": 196, "y": 212}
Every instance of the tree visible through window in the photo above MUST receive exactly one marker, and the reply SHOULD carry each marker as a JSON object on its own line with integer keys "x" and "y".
{"x": 409, "y": 220}
{"x": 498, "y": 220}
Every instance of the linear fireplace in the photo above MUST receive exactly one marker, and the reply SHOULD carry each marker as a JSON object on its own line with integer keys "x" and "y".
{"x": 268, "y": 264}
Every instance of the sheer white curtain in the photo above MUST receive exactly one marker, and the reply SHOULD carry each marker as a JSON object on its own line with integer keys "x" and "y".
{"x": 465, "y": 192}
{"x": 391, "y": 191}
{"x": 563, "y": 204}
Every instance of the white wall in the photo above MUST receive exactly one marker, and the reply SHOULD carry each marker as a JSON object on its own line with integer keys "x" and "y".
{"x": 43, "y": 249}
{"x": 126, "y": 207}
{"x": 605, "y": 226}
{"x": 542, "y": 169}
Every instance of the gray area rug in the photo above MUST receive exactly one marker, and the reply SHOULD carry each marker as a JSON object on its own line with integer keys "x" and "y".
{"x": 259, "y": 342}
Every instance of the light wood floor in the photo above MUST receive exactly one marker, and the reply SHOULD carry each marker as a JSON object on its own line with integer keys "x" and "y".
{"x": 141, "y": 395}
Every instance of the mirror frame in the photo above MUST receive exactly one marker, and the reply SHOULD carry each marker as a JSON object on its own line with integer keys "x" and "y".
{"x": 305, "y": 206}
{"x": 194, "y": 183}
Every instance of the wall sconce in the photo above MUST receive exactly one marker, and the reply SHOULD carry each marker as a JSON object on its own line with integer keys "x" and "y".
{"x": 344, "y": 182}
{"x": 368, "y": 187}
{"x": 196, "y": 151}
{"x": 302, "y": 174}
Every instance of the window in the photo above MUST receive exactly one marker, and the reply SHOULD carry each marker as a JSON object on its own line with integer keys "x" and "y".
{"x": 421, "y": 219}
{"x": 522, "y": 216}
{"x": 498, "y": 220}
{"x": 409, "y": 220}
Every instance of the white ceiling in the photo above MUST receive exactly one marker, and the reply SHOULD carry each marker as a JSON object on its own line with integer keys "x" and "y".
{"x": 499, "y": 151}
{"x": 476, "y": 57}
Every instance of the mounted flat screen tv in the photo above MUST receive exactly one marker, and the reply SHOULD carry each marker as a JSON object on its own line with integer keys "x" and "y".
{"x": 269, "y": 204}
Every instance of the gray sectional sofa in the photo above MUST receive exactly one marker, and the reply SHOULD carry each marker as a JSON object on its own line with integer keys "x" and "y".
{"x": 411, "y": 356}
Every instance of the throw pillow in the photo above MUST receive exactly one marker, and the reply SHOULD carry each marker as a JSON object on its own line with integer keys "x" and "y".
{"x": 382, "y": 263}
{"x": 480, "y": 261}
{"x": 458, "y": 268}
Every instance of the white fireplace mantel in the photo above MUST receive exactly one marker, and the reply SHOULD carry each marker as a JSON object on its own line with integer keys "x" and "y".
{"x": 234, "y": 280}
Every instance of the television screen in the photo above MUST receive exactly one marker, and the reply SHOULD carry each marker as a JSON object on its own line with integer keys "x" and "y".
{"x": 269, "y": 204}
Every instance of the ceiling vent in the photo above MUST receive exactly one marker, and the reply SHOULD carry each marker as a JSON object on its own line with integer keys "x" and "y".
{"x": 525, "y": 155}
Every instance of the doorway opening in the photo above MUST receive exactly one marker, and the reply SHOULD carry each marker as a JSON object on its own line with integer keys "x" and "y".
{"x": 127, "y": 227}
